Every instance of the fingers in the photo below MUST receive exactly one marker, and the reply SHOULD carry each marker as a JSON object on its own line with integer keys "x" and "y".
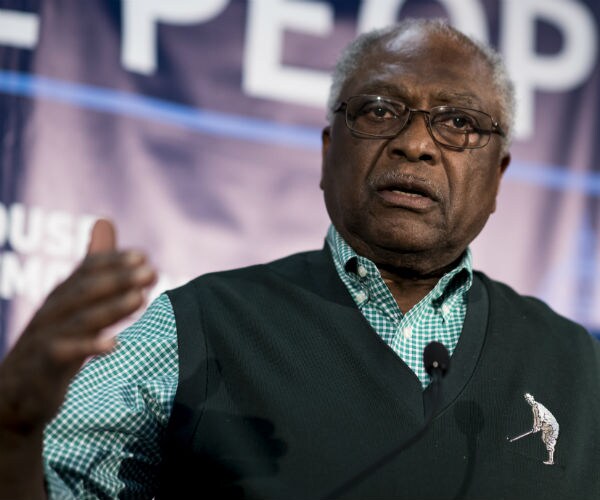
{"x": 87, "y": 321}
{"x": 115, "y": 276}
{"x": 105, "y": 288}
{"x": 73, "y": 351}
{"x": 100, "y": 290}
{"x": 103, "y": 237}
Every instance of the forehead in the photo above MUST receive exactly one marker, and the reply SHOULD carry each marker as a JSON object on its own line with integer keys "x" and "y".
{"x": 425, "y": 69}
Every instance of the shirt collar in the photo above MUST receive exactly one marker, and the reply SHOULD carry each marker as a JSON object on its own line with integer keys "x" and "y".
{"x": 343, "y": 254}
{"x": 346, "y": 258}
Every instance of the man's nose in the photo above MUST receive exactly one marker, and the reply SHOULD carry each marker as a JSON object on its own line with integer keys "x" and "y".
{"x": 414, "y": 142}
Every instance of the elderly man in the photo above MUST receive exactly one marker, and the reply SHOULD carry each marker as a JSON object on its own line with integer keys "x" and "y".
{"x": 285, "y": 380}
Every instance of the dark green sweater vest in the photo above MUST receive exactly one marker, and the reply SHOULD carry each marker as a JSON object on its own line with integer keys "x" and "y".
{"x": 285, "y": 391}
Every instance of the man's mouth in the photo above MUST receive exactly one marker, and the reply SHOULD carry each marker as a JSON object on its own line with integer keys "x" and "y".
{"x": 406, "y": 192}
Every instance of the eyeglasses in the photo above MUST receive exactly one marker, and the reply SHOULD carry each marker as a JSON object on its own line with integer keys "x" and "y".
{"x": 383, "y": 118}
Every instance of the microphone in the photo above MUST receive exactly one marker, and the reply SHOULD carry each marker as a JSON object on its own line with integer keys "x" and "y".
{"x": 437, "y": 362}
{"x": 436, "y": 359}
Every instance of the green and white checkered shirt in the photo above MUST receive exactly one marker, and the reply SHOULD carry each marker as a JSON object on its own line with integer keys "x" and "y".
{"x": 116, "y": 411}
{"x": 105, "y": 440}
{"x": 438, "y": 316}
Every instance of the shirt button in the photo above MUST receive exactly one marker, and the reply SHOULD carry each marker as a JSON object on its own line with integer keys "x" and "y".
{"x": 407, "y": 332}
{"x": 362, "y": 271}
{"x": 445, "y": 308}
{"x": 361, "y": 296}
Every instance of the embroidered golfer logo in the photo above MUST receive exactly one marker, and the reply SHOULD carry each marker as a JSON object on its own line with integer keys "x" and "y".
{"x": 543, "y": 421}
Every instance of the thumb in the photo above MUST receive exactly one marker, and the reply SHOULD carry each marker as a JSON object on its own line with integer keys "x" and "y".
{"x": 103, "y": 237}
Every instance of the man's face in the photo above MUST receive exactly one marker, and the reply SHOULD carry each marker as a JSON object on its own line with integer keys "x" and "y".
{"x": 408, "y": 200}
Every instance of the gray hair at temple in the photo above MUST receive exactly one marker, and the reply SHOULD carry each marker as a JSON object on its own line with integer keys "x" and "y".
{"x": 352, "y": 55}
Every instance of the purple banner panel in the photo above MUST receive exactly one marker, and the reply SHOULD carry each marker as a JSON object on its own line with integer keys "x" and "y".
{"x": 196, "y": 127}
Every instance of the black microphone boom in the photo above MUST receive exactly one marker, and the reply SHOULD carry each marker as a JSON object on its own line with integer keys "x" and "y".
{"x": 437, "y": 362}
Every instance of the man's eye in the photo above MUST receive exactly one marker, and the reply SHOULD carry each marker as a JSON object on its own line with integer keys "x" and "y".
{"x": 458, "y": 121}
{"x": 377, "y": 112}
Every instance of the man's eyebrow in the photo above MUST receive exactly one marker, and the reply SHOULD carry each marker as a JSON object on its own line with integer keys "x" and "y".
{"x": 384, "y": 89}
{"x": 387, "y": 89}
{"x": 457, "y": 98}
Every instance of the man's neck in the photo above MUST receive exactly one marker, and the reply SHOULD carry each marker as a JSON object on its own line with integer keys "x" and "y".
{"x": 409, "y": 275}
{"x": 407, "y": 287}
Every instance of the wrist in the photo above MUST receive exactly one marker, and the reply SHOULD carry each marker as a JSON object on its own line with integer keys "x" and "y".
{"x": 20, "y": 452}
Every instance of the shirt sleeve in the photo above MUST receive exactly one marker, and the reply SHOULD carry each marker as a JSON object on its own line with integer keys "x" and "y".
{"x": 105, "y": 441}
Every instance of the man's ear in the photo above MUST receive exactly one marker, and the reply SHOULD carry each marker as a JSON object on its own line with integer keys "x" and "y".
{"x": 504, "y": 162}
{"x": 325, "y": 140}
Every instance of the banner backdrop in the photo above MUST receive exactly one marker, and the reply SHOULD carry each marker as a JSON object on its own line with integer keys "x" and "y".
{"x": 195, "y": 126}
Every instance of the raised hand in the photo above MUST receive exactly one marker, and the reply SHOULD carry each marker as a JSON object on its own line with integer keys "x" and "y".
{"x": 106, "y": 287}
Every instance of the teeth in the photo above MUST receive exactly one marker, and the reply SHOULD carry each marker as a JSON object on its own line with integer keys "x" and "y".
{"x": 407, "y": 193}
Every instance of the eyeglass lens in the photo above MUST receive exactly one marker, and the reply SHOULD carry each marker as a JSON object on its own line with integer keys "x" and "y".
{"x": 454, "y": 127}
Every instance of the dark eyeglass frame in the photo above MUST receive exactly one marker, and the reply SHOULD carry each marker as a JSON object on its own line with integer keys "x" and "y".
{"x": 495, "y": 126}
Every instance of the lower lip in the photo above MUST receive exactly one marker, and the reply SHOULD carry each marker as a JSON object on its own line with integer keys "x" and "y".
{"x": 406, "y": 200}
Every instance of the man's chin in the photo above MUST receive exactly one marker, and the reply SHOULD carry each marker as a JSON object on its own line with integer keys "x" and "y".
{"x": 406, "y": 239}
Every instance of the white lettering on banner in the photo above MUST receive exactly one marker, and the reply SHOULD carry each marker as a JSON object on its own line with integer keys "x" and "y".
{"x": 30, "y": 276}
{"x": 3, "y": 224}
{"x": 375, "y": 14}
{"x": 59, "y": 234}
{"x": 19, "y": 29}
{"x": 44, "y": 247}
{"x": 140, "y": 17}
{"x": 466, "y": 15}
{"x": 469, "y": 17}
{"x": 33, "y": 277}
{"x": 265, "y": 76}
{"x": 25, "y": 233}
{"x": 263, "y": 73}
{"x": 557, "y": 72}
{"x": 53, "y": 232}
{"x": 20, "y": 276}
